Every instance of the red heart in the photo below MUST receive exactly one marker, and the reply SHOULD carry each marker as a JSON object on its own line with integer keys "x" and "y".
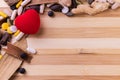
{"x": 28, "y": 22}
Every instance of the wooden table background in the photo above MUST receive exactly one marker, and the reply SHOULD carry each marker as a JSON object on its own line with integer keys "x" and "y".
{"x": 67, "y": 62}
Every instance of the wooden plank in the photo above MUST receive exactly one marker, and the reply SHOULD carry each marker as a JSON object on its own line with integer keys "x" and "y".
{"x": 83, "y": 59}
{"x": 78, "y": 32}
{"x": 67, "y": 78}
{"x": 8, "y": 66}
{"x": 74, "y": 43}
{"x": 77, "y": 51}
{"x": 72, "y": 70}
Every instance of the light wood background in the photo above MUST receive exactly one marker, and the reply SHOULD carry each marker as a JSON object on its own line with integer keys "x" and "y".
{"x": 78, "y": 48}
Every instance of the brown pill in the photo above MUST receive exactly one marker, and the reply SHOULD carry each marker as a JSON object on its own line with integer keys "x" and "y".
{"x": 5, "y": 38}
{"x": 56, "y": 7}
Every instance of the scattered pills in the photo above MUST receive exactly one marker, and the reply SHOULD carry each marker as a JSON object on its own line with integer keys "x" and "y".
{"x": 14, "y": 13}
{"x": 65, "y": 10}
{"x": 5, "y": 26}
{"x": 31, "y": 50}
{"x": 51, "y": 13}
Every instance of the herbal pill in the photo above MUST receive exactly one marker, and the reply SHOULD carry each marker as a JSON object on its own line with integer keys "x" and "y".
{"x": 3, "y": 14}
{"x": 19, "y": 36}
{"x": 90, "y": 1}
{"x": 51, "y": 13}
{"x": 9, "y": 31}
{"x": 14, "y": 13}
{"x": 13, "y": 7}
{"x": 1, "y": 18}
{"x": 5, "y": 26}
{"x": 56, "y": 7}
{"x": 111, "y": 1}
{"x": 9, "y": 22}
{"x": 69, "y": 14}
{"x": 18, "y": 4}
{"x": 42, "y": 8}
{"x": 65, "y": 10}
{"x": 22, "y": 70}
{"x": 13, "y": 28}
{"x": 24, "y": 56}
{"x": 9, "y": 13}
{"x": 115, "y": 5}
{"x": 25, "y": 2}
{"x": 0, "y": 56}
{"x": 20, "y": 10}
{"x": 31, "y": 50}
{"x": 17, "y": 32}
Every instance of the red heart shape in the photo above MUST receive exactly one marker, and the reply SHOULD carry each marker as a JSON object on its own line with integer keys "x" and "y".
{"x": 28, "y": 22}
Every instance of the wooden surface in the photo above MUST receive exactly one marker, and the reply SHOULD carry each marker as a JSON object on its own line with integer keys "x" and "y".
{"x": 84, "y": 59}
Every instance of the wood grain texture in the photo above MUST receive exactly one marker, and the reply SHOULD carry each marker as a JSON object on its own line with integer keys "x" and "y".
{"x": 8, "y": 66}
{"x": 67, "y": 78}
{"x": 93, "y": 63}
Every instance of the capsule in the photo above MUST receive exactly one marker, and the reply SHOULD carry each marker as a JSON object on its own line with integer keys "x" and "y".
{"x": 14, "y": 13}
{"x": 20, "y": 10}
{"x": 16, "y": 33}
{"x": 0, "y": 56}
{"x": 19, "y": 36}
{"x": 1, "y": 18}
{"x": 18, "y": 4}
{"x": 3, "y": 14}
{"x": 25, "y": 2}
{"x": 42, "y": 8}
{"x": 31, "y": 50}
